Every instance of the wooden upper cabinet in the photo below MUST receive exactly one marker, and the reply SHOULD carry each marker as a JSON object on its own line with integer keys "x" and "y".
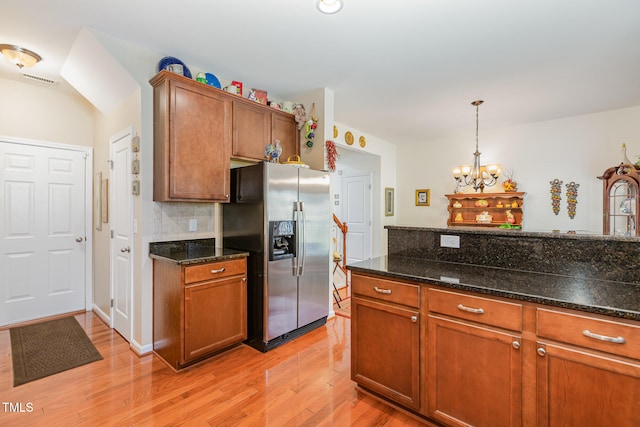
{"x": 255, "y": 126}
{"x": 285, "y": 129}
{"x": 192, "y": 137}
{"x": 251, "y": 130}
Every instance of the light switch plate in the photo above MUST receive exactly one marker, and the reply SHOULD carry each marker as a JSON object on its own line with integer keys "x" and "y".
{"x": 193, "y": 225}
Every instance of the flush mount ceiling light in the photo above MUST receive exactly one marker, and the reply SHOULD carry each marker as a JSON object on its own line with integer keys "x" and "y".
{"x": 19, "y": 56}
{"x": 477, "y": 176}
{"x": 329, "y": 6}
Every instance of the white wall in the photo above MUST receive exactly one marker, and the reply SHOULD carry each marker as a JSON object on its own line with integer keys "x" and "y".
{"x": 577, "y": 149}
{"x": 383, "y": 176}
{"x": 36, "y": 111}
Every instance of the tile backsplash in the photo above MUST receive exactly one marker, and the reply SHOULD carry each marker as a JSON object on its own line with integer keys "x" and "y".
{"x": 171, "y": 220}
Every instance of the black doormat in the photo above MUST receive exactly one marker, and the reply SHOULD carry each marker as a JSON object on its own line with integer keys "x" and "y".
{"x": 46, "y": 348}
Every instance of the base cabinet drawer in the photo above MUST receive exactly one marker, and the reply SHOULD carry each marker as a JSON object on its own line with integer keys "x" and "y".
{"x": 619, "y": 338}
{"x": 386, "y": 290}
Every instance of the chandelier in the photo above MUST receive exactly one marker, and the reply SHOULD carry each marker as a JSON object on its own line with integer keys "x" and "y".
{"x": 477, "y": 176}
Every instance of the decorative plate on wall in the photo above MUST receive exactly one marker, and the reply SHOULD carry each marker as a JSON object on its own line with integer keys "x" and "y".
{"x": 335, "y": 131}
{"x": 363, "y": 141}
{"x": 348, "y": 137}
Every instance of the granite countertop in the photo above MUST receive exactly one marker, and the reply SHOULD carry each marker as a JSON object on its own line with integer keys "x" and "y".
{"x": 196, "y": 251}
{"x": 616, "y": 299}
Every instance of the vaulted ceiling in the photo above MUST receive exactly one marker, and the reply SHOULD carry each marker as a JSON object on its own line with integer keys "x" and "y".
{"x": 404, "y": 70}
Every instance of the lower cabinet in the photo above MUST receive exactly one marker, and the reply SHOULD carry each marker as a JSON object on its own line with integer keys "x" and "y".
{"x": 588, "y": 370}
{"x": 474, "y": 374}
{"x": 385, "y": 338}
{"x": 215, "y": 316}
{"x": 492, "y": 362}
{"x": 581, "y": 388}
{"x": 386, "y": 350}
{"x": 198, "y": 310}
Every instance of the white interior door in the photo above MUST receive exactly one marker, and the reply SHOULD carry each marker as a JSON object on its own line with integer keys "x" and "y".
{"x": 42, "y": 232}
{"x": 356, "y": 213}
{"x": 120, "y": 219}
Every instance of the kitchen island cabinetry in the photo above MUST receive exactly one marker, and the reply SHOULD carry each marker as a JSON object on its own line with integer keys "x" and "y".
{"x": 486, "y": 360}
{"x": 474, "y": 370}
{"x": 385, "y": 338}
{"x": 192, "y": 140}
{"x": 464, "y": 207}
{"x": 199, "y": 309}
{"x": 582, "y": 363}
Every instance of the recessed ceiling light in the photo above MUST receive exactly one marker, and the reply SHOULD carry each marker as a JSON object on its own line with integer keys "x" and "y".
{"x": 329, "y": 6}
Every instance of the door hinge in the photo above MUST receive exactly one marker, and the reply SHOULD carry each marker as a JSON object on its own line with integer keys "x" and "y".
{"x": 110, "y": 164}
{"x": 111, "y": 231}
{"x": 111, "y": 303}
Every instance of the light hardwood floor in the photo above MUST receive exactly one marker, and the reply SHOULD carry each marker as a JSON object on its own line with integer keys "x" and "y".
{"x": 305, "y": 382}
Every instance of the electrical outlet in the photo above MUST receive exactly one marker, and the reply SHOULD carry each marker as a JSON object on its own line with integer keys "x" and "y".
{"x": 448, "y": 241}
{"x": 193, "y": 225}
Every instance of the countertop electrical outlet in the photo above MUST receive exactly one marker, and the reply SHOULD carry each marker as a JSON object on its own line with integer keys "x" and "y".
{"x": 447, "y": 241}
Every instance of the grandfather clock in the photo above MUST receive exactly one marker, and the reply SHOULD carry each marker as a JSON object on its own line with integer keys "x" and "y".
{"x": 621, "y": 200}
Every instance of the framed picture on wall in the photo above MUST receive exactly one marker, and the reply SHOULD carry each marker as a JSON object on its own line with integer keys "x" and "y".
{"x": 423, "y": 197}
{"x": 388, "y": 201}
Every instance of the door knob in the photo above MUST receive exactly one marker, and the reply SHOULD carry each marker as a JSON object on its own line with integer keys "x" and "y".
{"x": 79, "y": 239}
{"x": 125, "y": 249}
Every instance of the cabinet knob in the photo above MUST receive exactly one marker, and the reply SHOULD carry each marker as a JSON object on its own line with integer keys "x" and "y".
{"x": 226, "y": 195}
{"x": 244, "y": 279}
{"x": 79, "y": 239}
{"x": 414, "y": 319}
{"x": 542, "y": 352}
{"x": 516, "y": 344}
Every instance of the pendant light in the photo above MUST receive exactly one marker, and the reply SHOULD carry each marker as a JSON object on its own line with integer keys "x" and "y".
{"x": 477, "y": 176}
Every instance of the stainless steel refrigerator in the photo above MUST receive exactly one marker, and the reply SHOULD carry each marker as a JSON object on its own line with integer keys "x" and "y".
{"x": 280, "y": 214}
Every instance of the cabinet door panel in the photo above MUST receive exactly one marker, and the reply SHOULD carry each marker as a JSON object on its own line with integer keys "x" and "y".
{"x": 577, "y": 388}
{"x": 285, "y": 129}
{"x": 209, "y": 324}
{"x": 474, "y": 375}
{"x": 251, "y": 130}
{"x": 199, "y": 145}
{"x": 385, "y": 350}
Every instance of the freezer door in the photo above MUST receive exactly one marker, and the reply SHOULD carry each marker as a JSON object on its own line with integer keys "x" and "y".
{"x": 281, "y": 293}
{"x": 315, "y": 262}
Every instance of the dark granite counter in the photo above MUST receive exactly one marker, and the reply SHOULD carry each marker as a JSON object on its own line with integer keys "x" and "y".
{"x": 616, "y": 299}
{"x": 196, "y": 251}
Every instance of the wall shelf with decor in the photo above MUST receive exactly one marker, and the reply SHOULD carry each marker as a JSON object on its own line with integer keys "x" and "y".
{"x": 485, "y": 209}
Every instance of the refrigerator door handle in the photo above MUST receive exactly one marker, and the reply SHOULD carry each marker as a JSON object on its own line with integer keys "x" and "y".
{"x": 303, "y": 248}
{"x": 298, "y": 218}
